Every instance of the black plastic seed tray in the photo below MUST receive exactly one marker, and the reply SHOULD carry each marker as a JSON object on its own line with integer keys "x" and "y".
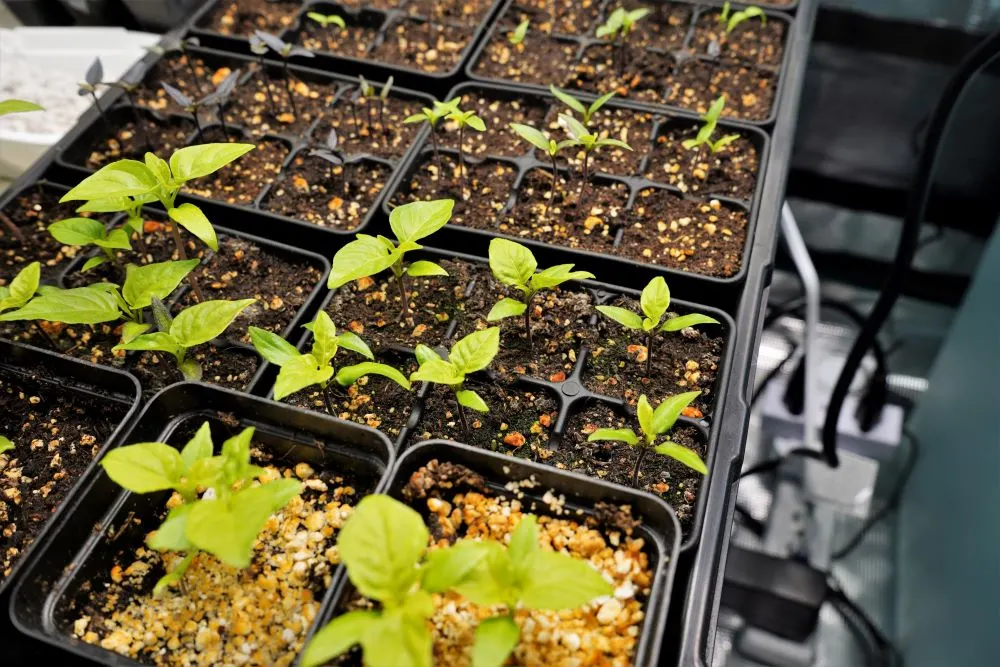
{"x": 370, "y": 28}
{"x": 723, "y": 292}
{"x": 74, "y": 159}
{"x": 101, "y": 520}
{"x": 677, "y": 58}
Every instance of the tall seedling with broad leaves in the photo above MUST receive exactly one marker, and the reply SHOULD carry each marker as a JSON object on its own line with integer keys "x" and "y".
{"x": 84, "y": 232}
{"x": 550, "y": 146}
{"x": 514, "y": 265}
{"x": 654, "y": 301}
{"x": 653, "y": 424}
{"x": 285, "y": 51}
{"x": 299, "y": 370}
{"x": 589, "y": 142}
{"x": 224, "y": 523}
{"x": 367, "y": 255}
{"x": 473, "y": 353}
{"x": 154, "y": 179}
{"x": 586, "y": 111}
{"x": 704, "y": 137}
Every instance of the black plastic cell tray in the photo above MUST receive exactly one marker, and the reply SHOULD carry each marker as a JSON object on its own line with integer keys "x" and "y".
{"x": 79, "y": 548}
{"x": 74, "y": 148}
{"x": 356, "y": 13}
{"x": 722, "y": 292}
{"x": 584, "y": 41}
{"x": 659, "y": 525}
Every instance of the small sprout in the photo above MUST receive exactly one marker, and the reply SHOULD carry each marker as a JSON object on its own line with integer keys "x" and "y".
{"x": 18, "y": 106}
{"x": 544, "y": 142}
{"x": 224, "y": 523}
{"x": 5, "y": 444}
{"x": 465, "y": 119}
{"x": 367, "y": 255}
{"x": 259, "y": 49}
{"x": 704, "y": 136}
{"x": 383, "y": 98}
{"x": 654, "y": 301}
{"x": 186, "y": 103}
{"x": 299, "y": 370}
{"x": 21, "y": 288}
{"x": 736, "y": 18}
{"x": 285, "y": 51}
{"x": 514, "y": 265}
{"x": 653, "y": 424}
{"x": 221, "y": 96}
{"x": 432, "y": 117}
{"x": 619, "y": 26}
{"x": 473, "y": 353}
{"x": 85, "y": 232}
{"x": 576, "y": 105}
{"x": 332, "y": 154}
{"x": 589, "y": 142}
{"x": 91, "y": 80}
{"x": 326, "y": 20}
{"x": 517, "y": 35}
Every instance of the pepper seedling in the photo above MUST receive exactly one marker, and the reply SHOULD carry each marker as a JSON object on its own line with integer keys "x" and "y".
{"x": 174, "y": 44}
{"x": 654, "y": 301}
{"x": 193, "y": 326}
{"x": 299, "y": 370}
{"x": 363, "y": 93}
{"x": 517, "y": 35}
{"x": 231, "y": 511}
{"x": 221, "y": 96}
{"x": 465, "y": 119}
{"x": 586, "y": 112}
{"x": 285, "y": 51}
{"x": 653, "y": 424}
{"x": 156, "y": 179}
{"x": 432, "y": 117}
{"x": 259, "y": 49}
{"x": 550, "y": 146}
{"x": 326, "y": 20}
{"x": 186, "y": 103}
{"x": 84, "y": 232}
{"x": 21, "y": 288}
{"x": 513, "y": 265}
{"x": 735, "y": 18}
{"x": 473, "y": 353}
{"x": 618, "y": 27}
{"x": 704, "y": 136}
{"x": 91, "y": 80}
{"x": 582, "y": 137}
{"x": 367, "y": 255}
{"x": 18, "y": 106}
{"x": 331, "y": 154}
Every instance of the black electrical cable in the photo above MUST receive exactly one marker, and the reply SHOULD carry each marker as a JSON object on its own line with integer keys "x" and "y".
{"x": 909, "y": 239}
{"x": 881, "y": 652}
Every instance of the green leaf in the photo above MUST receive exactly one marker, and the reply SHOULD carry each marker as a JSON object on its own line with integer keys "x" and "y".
{"x": 681, "y": 453}
{"x": 618, "y": 143}
{"x": 325, "y": 339}
{"x": 157, "y": 341}
{"x": 206, "y": 472}
{"x": 145, "y": 467}
{"x": 471, "y": 400}
{"x": 117, "y": 239}
{"x": 196, "y": 161}
{"x": 490, "y": 583}
{"x": 130, "y": 330}
{"x": 272, "y": 347}
{"x": 425, "y": 354}
{"x": 363, "y": 257}
{"x": 598, "y": 103}
{"x": 422, "y": 268}
{"x": 536, "y": 138}
{"x": 438, "y": 371}
{"x": 557, "y": 581}
{"x": 18, "y": 106}
{"x": 110, "y": 205}
{"x": 398, "y": 640}
{"x": 476, "y": 351}
{"x": 670, "y": 409}
{"x": 159, "y": 168}
{"x": 523, "y": 544}
{"x": 348, "y": 375}
{"x": 337, "y": 636}
{"x": 644, "y": 413}
{"x": 191, "y": 218}
{"x": 80, "y": 305}
{"x": 517, "y": 36}
{"x": 170, "y": 536}
{"x": 511, "y": 262}
{"x": 199, "y": 447}
{"x": 92, "y": 263}
{"x": 77, "y": 231}
{"x": 723, "y": 142}
{"x": 446, "y": 568}
{"x": 496, "y": 639}
{"x": 353, "y": 342}
{"x": 685, "y": 321}
{"x": 5, "y": 444}
{"x": 420, "y": 219}
{"x": 505, "y": 308}
{"x": 575, "y": 128}
{"x": 748, "y": 13}
{"x": 119, "y": 179}
{"x": 381, "y": 544}
{"x": 557, "y": 275}
{"x": 22, "y": 287}
{"x": 567, "y": 99}
{"x": 625, "y": 435}
{"x": 207, "y": 320}
{"x": 476, "y": 123}
{"x": 159, "y": 280}
{"x": 655, "y": 299}
{"x": 624, "y": 317}
{"x": 236, "y": 454}
{"x": 227, "y": 529}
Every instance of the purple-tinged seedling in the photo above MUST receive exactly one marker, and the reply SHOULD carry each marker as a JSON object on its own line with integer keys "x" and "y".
{"x": 285, "y": 51}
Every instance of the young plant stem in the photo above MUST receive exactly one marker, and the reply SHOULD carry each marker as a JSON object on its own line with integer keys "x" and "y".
{"x": 461, "y": 160}
{"x": 93, "y": 96}
{"x": 586, "y": 175}
{"x": 291, "y": 88}
{"x": 381, "y": 115}
{"x": 643, "y": 450}
{"x": 182, "y": 254}
{"x": 403, "y": 294}
{"x": 437, "y": 155}
{"x": 14, "y": 230}
{"x": 222, "y": 121}
{"x": 272, "y": 105}
{"x": 372, "y": 114}
{"x": 462, "y": 417}
{"x": 139, "y": 124}
{"x": 354, "y": 113}
{"x": 328, "y": 400}
{"x": 649, "y": 353}
{"x": 197, "y": 124}
{"x": 552, "y": 189}
{"x": 527, "y": 324}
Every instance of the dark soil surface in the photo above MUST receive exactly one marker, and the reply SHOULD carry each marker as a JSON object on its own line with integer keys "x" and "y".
{"x": 465, "y": 12}
{"x": 164, "y": 137}
{"x": 232, "y": 368}
{"x": 538, "y": 59}
{"x": 665, "y": 28}
{"x": 750, "y": 41}
{"x": 730, "y": 172}
{"x": 242, "y": 181}
{"x": 422, "y": 46}
{"x": 571, "y": 17}
{"x": 371, "y": 308}
{"x": 686, "y": 360}
{"x": 242, "y": 17}
{"x": 366, "y": 130}
{"x": 749, "y": 92}
{"x": 319, "y": 193}
{"x": 499, "y": 139}
{"x": 195, "y": 80}
{"x": 632, "y": 72}
{"x": 633, "y": 127}
{"x": 517, "y": 424}
{"x": 56, "y": 435}
{"x": 613, "y": 461}
{"x": 701, "y": 237}
{"x": 252, "y": 107}
{"x": 351, "y": 42}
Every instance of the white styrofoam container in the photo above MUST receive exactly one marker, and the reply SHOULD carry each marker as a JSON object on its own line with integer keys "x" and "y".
{"x": 60, "y": 50}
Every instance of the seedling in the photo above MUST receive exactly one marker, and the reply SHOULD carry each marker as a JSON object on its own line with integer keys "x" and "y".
{"x": 18, "y": 106}
{"x": 735, "y": 18}
{"x": 259, "y": 49}
{"x": 131, "y": 206}
{"x": 514, "y": 265}
{"x": 188, "y": 104}
{"x": 21, "y": 288}
{"x": 155, "y": 179}
{"x": 91, "y": 80}
{"x": 653, "y": 424}
{"x": 465, "y": 119}
{"x": 85, "y": 232}
{"x": 432, "y": 117}
{"x": 517, "y": 35}
{"x": 544, "y": 142}
{"x": 383, "y": 97}
{"x": 367, "y": 255}
{"x": 363, "y": 93}
{"x": 589, "y": 142}
{"x": 473, "y": 353}
{"x": 704, "y": 136}
{"x": 231, "y": 511}
{"x": 331, "y": 153}
{"x": 325, "y": 20}
{"x": 586, "y": 112}
{"x": 285, "y": 51}
{"x": 193, "y": 326}
{"x": 299, "y": 370}
{"x": 5, "y": 444}
{"x": 174, "y": 44}
{"x": 654, "y": 301}
{"x": 618, "y": 27}
{"x": 221, "y": 96}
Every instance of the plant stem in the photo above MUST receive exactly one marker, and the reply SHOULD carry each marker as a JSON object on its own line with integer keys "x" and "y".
{"x": 326, "y": 399}
{"x": 197, "y": 124}
{"x": 462, "y": 417}
{"x": 194, "y": 75}
{"x": 291, "y": 88}
{"x": 649, "y": 353}
{"x": 586, "y": 175}
{"x": 15, "y": 231}
{"x": 222, "y": 121}
{"x": 182, "y": 253}
{"x": 93, "y": 96}
{"x": 139, "y": 124}
{"x": 461, "y": 160}
{"x": 552, "y": 190}
{"x": 272, "y": 105}
{"x": 527, "y": 323}
{"x": 643, "y": 450}
{"x": 354, "y": 112}
{"x": 381, "y": 115}
{"x": 437, "y": 156}
{"x": 402, "y": 292}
